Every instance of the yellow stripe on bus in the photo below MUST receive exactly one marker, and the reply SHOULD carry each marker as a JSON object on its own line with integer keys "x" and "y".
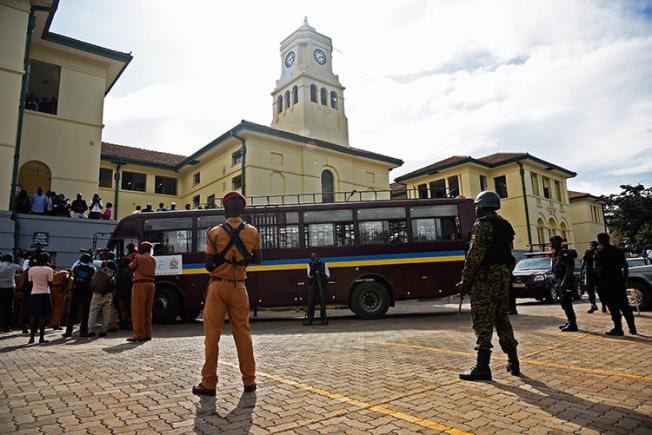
{"x": 341, "y": 264}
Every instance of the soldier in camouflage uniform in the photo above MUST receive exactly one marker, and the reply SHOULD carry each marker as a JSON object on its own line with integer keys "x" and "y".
{"x": 487, "y": 276}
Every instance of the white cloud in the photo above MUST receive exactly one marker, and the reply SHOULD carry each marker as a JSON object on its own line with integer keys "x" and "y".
{"x": 566, "y": 81}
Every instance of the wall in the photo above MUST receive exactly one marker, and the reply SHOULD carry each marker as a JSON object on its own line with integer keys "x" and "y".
{"x": 13, "y": 30}
{"x": 585, "y": 226}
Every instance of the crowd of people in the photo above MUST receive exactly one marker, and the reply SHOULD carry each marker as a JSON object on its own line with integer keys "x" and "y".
{"x": 161, "y": 207}
{"x": 44, "y": 104}
{"x": 96, "y": 294}
{"x": 52, "y": 204}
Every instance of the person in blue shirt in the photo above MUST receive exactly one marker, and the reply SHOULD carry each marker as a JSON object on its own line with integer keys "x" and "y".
{"x": 39, "y": 202}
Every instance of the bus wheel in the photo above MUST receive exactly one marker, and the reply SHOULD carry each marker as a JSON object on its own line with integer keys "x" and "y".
{"x": 370, "y": 300}
{"x": 166, "y": 305}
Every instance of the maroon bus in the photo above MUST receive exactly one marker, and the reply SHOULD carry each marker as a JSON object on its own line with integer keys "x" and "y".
{"x": 378, "y": 252}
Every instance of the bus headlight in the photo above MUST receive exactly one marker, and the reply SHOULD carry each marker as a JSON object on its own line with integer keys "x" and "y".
{"x": 539, "y": 278}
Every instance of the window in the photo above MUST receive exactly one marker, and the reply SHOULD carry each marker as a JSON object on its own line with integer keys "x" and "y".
{"x": 204, "y": 223}
{"x": 501, "y": 186}
{"x": 334, "y": 100}
{"x": 106, "y": 177}
{"x": 236, "y": 182}
{"x": 287, "y": 99}
{"x": 483, "y": 182}
{"x": 329, "y": 228}
{"x": 535, "y": 184}
{"x": 541, "y": 232}
{"x": 279, "y": 103}
{"x": 43, "y": 92}
{"x": 453, "y": 186}
{"x": 210, "y": 201}
{"x": 313, "y": 93}
{"x": 165, "y": 185}
{"x": 195, "y": 201}
{"x": 435, "y": 223}
{"x": 134, "y": 181}
{"x": 558, "y": 195}
{"x": 323, "y": 95}
{"x": 195, "y": 178}
{"x": 327, "y": 186}
{"x": 277, "y": 230}
{"x": 423, "y": 191}
{"x": 438, "y": 188}
{"x": 236, "y": 158}
{"x": 382, "y": 225}
{"x": 171, "y": 236}
{"x": 295, "y": 95}
{"x": 546, "y": 187}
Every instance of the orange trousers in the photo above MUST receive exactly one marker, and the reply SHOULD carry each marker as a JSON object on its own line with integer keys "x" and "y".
{"x": 60, "y": 301}
{"x": 223, "y": 298}
{"x": 142, "y": 301}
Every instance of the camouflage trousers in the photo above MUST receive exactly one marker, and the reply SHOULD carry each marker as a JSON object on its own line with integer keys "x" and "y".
{"x": 489, "y": 307}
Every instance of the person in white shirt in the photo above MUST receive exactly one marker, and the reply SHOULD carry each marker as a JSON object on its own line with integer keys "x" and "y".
{"x": 8, "y": 271}
{"x": 318, "y": 274}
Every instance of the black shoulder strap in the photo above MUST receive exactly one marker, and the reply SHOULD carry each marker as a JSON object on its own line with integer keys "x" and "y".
{"x": 235, "y": 240}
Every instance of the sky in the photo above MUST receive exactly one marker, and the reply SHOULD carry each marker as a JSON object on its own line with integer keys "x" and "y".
{"x": 567, "y": 81}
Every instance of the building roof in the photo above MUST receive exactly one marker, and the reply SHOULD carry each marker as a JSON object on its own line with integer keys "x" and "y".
{"x": 574, "y": 195}
{"x": 134, "y": 155}
{"x": 490, "y": 161}
{"x": 175, "y": 162}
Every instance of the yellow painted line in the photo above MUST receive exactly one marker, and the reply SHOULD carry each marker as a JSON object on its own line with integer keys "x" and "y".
{"x": 423, "y": 422}
{"x": 584, "y": 335}
{"x": 525, "y": 360}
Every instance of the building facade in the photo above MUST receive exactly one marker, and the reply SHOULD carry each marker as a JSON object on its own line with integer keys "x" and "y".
{"x": 587, "y": 214}
{"x": 534, "y": 193}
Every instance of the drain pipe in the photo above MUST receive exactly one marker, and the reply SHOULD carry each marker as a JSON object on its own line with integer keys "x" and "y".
{"x": 243, "y": 151}
{"x": 527, "y": 211}
{"x": 116, "y": 178}
{"x": 31, "y": 23}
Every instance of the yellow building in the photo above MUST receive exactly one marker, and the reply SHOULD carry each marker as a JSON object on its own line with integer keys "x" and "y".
{"x": 587, "y": 214}
{"x": 305, "y": 156}
{"x": 52, "y": 102}
{"x": 534, "y": 193}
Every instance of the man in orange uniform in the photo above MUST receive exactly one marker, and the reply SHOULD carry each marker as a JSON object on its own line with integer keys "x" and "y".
{"x": 60, "y": 290}
{"x": 229, "y": 249}
{"x": 142, "y": 293}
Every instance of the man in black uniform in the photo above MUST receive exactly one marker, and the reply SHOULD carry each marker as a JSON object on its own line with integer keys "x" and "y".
{"x": 563, "y": 261}
{"x": 589, "y": 276}
{"x": 612, "y": 270}
{"x": 318, "y": 275}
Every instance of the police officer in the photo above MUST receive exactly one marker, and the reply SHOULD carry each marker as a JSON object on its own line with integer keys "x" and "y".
{"x": 487, "y": 276}
{"x": 589, "y": 276}
{"x": 229, "y": 249}
{"x": 613, "y": 271}
{"x": 318, "y": 275}
{"x": 142, "y": 292}
{"x": 563, "y": 261}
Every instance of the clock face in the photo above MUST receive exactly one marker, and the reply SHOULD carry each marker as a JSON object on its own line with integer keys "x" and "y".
{"x": 289, "y": 59}
{"x": 320, "y": 56}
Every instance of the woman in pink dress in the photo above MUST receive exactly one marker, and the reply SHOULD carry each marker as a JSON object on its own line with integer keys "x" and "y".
{"x": 39, "y": 305}
{"x": 107, "y": 214}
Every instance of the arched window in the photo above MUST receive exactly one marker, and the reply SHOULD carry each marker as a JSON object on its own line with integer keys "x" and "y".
{"x": 324, "y": 96}
{"x": 279, "y": 103}
{"x": 287, "y": 99}
{"x": 564, "y": 231}
{"x": 334, "y": 100}
{"x": 541, "y": 232}
{"x": 313, "y": 93}
{"x": 295, "y": 95}
{"x": 327, "y": 186}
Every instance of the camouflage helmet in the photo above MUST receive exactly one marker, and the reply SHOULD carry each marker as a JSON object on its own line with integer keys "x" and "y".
{"x": 487, "y": 199}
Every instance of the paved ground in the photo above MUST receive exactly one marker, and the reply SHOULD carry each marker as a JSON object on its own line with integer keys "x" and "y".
{"x": 395, "y": 375}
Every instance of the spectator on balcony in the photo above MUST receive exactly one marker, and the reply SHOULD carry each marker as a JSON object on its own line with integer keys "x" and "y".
{"x": 137, "y": 210}
{"x": 96, "y": 207}
{"x": 147, "y": 209}
{"x": 161, "y": 207}
{"x": 39, "y": 202}
{"x": 60, "y": 206}
{"x": 188, "y": 207}
{"x": 173, "y": 206}
{"x": 107, "y": 215}
{"x": 23, "y": 202}
{"x": 79, "y": 207}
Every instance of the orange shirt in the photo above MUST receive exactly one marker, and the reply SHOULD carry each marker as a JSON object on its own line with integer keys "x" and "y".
{"x": 217, "y": 239}
{"x": 144, "y": 266}
{"x": 60, "y": 279}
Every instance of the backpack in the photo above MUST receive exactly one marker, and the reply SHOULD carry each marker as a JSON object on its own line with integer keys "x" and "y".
{"x": 102, "y": 281}
{"x": 83, "y": 274}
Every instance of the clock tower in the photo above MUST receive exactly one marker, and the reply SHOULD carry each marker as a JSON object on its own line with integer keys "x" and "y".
{"x": 309, "y": 98}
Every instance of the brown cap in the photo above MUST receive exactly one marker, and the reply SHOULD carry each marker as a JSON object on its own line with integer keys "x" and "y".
{"x": 230, "y": 195}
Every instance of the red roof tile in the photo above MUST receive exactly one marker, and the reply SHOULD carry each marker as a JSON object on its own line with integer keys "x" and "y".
{"x": 140, "y": 154}
{"x": 500, "y": 157}
{"x": 433, "y": 167}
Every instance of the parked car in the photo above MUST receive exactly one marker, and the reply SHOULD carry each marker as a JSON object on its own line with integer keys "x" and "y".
{"x": 638, "y": 261}
{"x": 533, "y": 277}
{"x": 639, "y": 286}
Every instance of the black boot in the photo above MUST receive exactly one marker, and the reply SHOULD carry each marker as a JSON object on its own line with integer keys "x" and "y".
{"x": 571, "y": 327}
{"x": 616, "y": 332}
{"x": 593, "y": 309}
{"x": 513, "y": 365}
{"x": 563, "y": 326}
{"x": 481, "y": 370}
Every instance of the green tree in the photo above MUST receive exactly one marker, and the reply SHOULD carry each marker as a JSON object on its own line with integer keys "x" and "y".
{"x": 629, "y": 214}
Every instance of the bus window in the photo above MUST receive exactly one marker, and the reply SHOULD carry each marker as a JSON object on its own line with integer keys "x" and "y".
{"x": 438, "y": 222}
{"x": 174, "y": 236}
{"x": 277, "y": 230}
{"x": 329, "y": 228}
{"x": 382, "y": 225}
{"x": 204, "y": 223}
